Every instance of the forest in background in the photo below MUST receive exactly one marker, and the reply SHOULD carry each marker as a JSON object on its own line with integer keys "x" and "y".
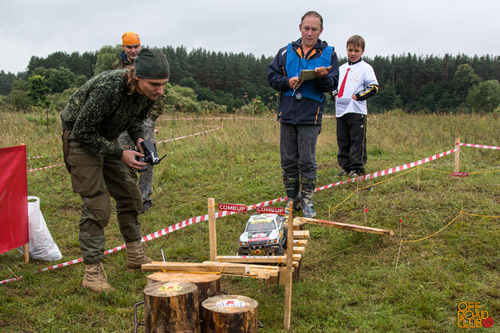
{"x": 208, "y": 81}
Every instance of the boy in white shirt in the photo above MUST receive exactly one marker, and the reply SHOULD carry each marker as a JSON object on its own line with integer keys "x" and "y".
{"x": 358, "y": 83}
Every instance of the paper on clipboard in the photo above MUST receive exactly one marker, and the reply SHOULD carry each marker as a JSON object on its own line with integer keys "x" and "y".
{"x": 307, "y": 74}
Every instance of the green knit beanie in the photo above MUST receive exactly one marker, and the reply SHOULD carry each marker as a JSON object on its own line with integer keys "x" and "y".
{"x": 151, "y": 64}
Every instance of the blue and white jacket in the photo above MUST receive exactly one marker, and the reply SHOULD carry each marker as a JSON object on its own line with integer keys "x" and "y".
{"x": 288, "y": 63}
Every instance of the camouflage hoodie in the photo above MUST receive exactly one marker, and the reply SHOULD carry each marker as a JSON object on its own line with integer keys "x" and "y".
{"x": 101, "y": 109}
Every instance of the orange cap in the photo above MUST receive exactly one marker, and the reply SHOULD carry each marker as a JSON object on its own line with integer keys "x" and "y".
{"x": 131, "y": 38}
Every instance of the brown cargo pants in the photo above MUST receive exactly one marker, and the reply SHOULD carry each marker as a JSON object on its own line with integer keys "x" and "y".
{"x": 96, "y": 177}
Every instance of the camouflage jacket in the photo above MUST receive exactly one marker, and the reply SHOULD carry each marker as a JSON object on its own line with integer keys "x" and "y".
{"x": 101, "y": 109}
{"x": 159, "y": 104}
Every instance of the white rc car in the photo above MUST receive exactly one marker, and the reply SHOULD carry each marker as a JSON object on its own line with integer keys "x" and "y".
{"x": 263, "y": 235}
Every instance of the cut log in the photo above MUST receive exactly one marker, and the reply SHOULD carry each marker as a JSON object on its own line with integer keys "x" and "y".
{"x": 229, "y": 313}
{"x": 208, "y": 284}
{"x": 171, "y": 307}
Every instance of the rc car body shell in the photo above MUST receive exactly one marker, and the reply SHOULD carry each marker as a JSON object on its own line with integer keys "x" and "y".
{"x": 263, "y": 235}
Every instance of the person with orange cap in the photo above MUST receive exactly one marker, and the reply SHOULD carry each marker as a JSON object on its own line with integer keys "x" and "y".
{"x": 131, "y": 45}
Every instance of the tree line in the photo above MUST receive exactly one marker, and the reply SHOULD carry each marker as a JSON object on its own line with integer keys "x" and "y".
{"x": 235, "y": 80}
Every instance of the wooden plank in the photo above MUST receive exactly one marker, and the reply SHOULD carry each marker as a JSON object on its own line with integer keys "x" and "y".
{"x": 297, "y": 224}
{"x": 258, "y": 259}
{"x": 299, "y": 250}
{"x": 300, "y": 242}
{"x": 212, "y": 267}
{"x": 301, "y": 234}
{"x": 289, "y": 269}
{"x": 212, "y": 230}
{"x": 351, "y": 227}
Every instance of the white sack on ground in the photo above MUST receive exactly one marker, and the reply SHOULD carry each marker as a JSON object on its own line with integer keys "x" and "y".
{"x": 41, "y": 244}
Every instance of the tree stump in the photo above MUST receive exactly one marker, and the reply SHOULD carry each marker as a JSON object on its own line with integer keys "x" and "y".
{"x": 208, "y": 284}
{"x": 171, "y": 307}
{"x": 229, "y": 313}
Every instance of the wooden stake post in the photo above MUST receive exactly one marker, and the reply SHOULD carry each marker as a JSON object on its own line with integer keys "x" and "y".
{"x": 289, "y": 268}
{"x": 212, "y": 230}
{"x": 457, "y": 155}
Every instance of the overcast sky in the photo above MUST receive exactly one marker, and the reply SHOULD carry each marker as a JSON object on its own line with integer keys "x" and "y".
{"x": 424, "y": 27}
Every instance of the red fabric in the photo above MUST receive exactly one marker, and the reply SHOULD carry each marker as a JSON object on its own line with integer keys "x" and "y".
{"x": 13, "y": 198}
{"x": 341, "y": 90}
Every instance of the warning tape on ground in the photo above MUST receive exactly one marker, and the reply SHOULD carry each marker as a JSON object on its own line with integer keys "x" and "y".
{"x": 34, "y": 157}
{"x": 201, "y": 218}
{"x": 477, "y": 146}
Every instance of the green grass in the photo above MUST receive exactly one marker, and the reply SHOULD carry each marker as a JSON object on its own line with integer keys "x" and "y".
{"x": 349, "y": 281}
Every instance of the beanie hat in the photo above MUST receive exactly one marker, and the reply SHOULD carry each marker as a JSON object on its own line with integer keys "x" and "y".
{"x": 151, "y": 64}
{"x": 131, "y": 38}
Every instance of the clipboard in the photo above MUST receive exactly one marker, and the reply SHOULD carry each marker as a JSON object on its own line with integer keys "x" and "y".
{"x": 307, "y": 74}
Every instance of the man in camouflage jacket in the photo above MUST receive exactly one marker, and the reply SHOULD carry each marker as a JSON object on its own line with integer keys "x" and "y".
{"x": 105, "y": 106}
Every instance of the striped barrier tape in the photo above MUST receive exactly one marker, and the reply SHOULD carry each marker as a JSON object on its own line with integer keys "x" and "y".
{"x": 47, "y": 167}
{"x": 179, "y": 138}
{"x": 201, "y": 218}
{"x": 215, "y": 118}
{"x": 390, "y": 171}
{"x": 477, "y": 146}
{"x": 187, "y": 136}
{"x": 34, "y": 157}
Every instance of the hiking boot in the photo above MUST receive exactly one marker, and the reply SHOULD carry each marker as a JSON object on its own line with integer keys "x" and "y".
{"x": 343, "y": 172}
{"x": 357, "y": 172}
{"x": 306, "y": 201}
{"x": 145, "y": 206}
{"x": 95, "y": 278}
{"x": 135, "y": 256}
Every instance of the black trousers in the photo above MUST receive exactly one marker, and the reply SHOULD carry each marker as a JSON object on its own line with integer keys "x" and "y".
{"x": 351, "y": 141}
{"x": 298, "y": 150}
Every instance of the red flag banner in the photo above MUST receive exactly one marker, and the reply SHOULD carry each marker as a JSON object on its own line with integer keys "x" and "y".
{"x": 13, "y": 198}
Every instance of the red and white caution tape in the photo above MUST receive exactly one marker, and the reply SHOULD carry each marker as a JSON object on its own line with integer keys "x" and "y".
{"x": 477, "y": 146}
{"x": 187, "y": 136}
{"x": 34, "y": 157}
{"x": 214, "y": 118}
{"x": 47, "y": 167}
{"x": 201, "y": 218}
{"x": 76, "y": 261}
{"x": 391, "y": 170}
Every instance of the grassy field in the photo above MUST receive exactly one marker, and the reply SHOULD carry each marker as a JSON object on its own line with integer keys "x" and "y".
{"x": 350, "y": 282}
